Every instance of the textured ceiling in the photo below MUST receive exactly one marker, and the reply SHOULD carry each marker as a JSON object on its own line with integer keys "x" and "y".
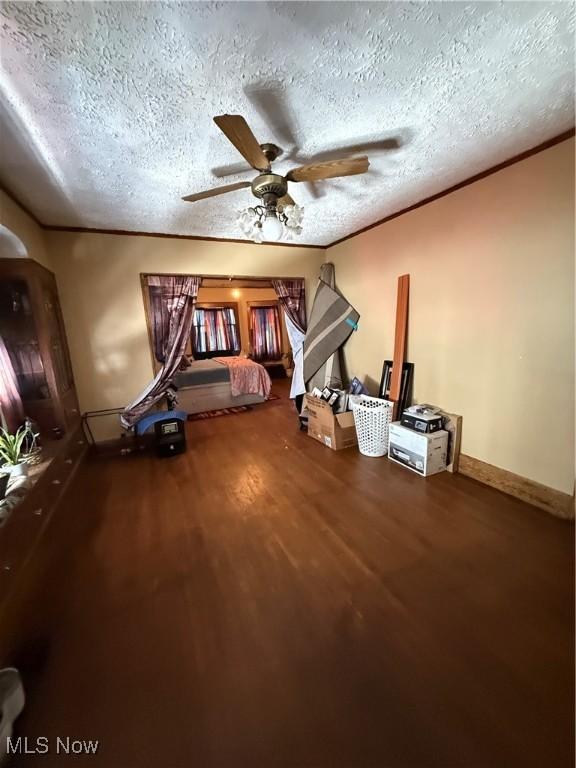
{"x": 107, "y": 107}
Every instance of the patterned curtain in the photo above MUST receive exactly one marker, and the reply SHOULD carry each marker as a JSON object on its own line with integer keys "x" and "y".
{"x": 180, "y": 294}
{"x": 163, "y": 291}
{"x": 12, "y": 412}
{"x": 265, "y": 334}
{"x": 159, "y": 296}
{"x": 215, "y": 330}
{"x": 292, "y": 297}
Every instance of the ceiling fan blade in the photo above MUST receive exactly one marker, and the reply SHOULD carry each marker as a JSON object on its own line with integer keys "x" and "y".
{"x": 284, "y": 201}
{"x": 369, "y": 146}
{"x": 329, "y": 170}
{"x": 236, "y": 129}
{"x": 216, "y": 191}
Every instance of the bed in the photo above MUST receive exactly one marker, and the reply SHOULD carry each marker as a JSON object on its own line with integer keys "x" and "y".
{"x": 209, "y": 385}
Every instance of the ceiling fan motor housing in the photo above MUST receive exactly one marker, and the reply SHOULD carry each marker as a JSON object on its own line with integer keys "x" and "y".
{"x": 269, "y": 187}
{"x": 272, "y": 151}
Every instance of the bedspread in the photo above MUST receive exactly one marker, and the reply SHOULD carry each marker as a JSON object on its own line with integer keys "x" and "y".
{"x": 246, "y": 376}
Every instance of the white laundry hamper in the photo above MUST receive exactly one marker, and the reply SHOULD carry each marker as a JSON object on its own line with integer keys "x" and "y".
{"x": 372, "y": 417}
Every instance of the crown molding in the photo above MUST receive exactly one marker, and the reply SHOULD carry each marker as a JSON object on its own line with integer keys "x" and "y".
{"x": 471, "y": 180}
{"x": 131, "y": 233}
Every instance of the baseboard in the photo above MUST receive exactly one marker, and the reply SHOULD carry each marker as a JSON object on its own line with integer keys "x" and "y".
{"x": 556, "y": 502}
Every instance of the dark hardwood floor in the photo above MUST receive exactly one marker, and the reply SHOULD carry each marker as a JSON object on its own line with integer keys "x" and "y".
{"x": 262, "y": 601}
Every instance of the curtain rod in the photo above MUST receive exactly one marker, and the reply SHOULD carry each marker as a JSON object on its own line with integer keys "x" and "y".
{"x": 221, "y": 277}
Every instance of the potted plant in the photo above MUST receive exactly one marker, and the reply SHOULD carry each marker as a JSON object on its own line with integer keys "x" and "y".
{"x": 11, "y": 451}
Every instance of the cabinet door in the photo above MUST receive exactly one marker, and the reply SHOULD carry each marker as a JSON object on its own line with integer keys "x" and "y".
{"x": 66, "y": 402}
{"x": 57, "y": 340}
{"x": 32, "y": 327}
{"x": 18, "y": 326}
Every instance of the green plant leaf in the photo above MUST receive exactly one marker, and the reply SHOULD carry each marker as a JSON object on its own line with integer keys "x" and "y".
{"x": 11, "y": 445}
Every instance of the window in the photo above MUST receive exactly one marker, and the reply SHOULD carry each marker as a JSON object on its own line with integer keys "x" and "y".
{"x": 215, "y": 332}
{"x": 265, "y": 334}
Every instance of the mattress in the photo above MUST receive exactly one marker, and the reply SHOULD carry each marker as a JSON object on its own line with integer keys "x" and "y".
{"x": 202, "y": 372}
{"x": 212, "y": 397}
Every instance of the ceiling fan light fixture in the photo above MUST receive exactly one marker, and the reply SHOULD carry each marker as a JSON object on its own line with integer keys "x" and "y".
{"x": 248, "y": 222}
{"x": 271, "y": 224}
{"x": 272, "y": 227}
{"x": 294, "y": 214}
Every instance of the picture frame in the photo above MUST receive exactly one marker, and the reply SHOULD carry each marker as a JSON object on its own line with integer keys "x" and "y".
{"x": 405, "y": 384}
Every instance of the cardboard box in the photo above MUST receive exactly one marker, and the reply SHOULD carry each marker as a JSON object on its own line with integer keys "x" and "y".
{"x": 336, "y": 430}
{"x": 425, "y": 454}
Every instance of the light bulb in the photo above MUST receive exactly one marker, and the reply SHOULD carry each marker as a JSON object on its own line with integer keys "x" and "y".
{"x": 272, "y": 228}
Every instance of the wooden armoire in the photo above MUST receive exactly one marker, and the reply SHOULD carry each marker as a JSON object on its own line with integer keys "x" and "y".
{"x": 33, "y": 330}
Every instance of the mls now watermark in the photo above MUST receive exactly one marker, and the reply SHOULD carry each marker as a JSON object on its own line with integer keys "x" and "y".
{"x": 42, "y": 745}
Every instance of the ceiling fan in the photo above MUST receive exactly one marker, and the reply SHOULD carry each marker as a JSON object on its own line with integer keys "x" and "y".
{"x": 278, "y": 208}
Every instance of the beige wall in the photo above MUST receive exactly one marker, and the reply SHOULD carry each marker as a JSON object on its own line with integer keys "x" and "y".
{"x": 491, "y": 328}
{"x": 242, "y": 298}
{"x": 25, "y": 228}
{"x": 99, "y": 283}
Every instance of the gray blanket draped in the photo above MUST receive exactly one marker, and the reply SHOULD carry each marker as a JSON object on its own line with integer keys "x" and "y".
{"x": 332, "y": 320}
